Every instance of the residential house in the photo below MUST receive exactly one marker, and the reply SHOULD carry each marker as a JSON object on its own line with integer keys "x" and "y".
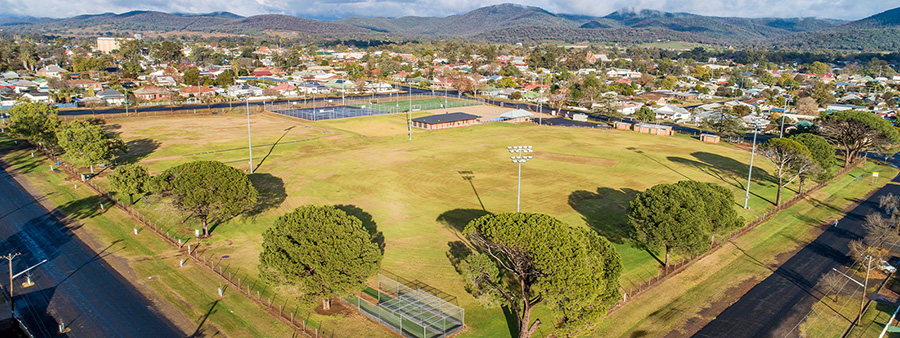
{"x": 85, "y": 84}
{"x": 112, "y": 96}
{"x": 672, "y": 113}
{"x": 53, "y": 71}
{"x": 197, "y": 91}
{"x": 36, "y": 96}
{"x": 153, "y": 93}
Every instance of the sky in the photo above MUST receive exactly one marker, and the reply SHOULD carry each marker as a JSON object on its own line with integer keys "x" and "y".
{"x": 336, "y": 9}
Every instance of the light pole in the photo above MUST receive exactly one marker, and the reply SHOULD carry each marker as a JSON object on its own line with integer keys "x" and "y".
{"x": 541, "y": 102}
{"x": 750, "y": 171}
{"x": 781, "y": 131}
{"x": 519, "y": 159}
{"x": 409, "y": 113}
{"x": 249, "y": 138}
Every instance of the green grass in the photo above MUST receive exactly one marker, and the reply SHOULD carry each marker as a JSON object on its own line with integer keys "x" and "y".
{"x": 419, "y": 193}
{"x": 717, "y": 281}
{"x": 402, "y": 106}
{"x": 191, "y": 289}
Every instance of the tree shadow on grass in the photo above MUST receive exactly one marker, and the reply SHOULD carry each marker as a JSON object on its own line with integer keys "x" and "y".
{"x": 457, "y": 254}
{"x": 367, "y": 221}
{"x": 641, "y": 152}
{"x": 23, "y": 162}
{"x": 457, "y": 219}
{"x": 271, "y": 192}
{"x": 137, "y": 150}
{"x": 605, "y": 211}
{"x": 734, "y": 177}
{"x": 84, "y": 208}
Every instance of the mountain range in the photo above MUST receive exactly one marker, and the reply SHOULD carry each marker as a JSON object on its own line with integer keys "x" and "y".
{"x": 509, "y": 23}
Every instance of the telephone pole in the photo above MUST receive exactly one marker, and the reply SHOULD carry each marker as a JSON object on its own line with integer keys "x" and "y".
{"x": 9, "y": 259}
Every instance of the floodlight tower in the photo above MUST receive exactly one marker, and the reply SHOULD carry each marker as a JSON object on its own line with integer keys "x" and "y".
{"x": 519, "y": 159}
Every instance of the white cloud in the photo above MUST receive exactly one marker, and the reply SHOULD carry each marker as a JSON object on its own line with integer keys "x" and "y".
{"x": 840, "y": 9}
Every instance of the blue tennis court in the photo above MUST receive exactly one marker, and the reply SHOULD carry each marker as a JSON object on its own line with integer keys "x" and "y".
{"x": 328, "y": 113}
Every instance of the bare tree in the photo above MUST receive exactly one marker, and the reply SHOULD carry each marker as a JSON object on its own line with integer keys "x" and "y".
{"x": 791, "y": 159}
{"x": 808, "y": 106}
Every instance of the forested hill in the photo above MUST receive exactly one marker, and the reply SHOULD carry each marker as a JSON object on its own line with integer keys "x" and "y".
{"x": 508, "y": 23}
{"x": 880, "y": 32}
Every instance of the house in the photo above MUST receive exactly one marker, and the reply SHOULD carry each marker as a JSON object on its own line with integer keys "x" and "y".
{"x": 51, "y": 71}
{"x": 672, "y": 113}
{"x": 196, "y": 91}
{"x": 85, "y": 84}
{"x": 243, "y": 90}
{"x": 112, "y": 96}
{"x": 153, "y": 93}
{"x": 444, "y": 121}
{"x": 36, "y": 96}
{"x": 166, "y": 81}
{"x": 285, "y": 89}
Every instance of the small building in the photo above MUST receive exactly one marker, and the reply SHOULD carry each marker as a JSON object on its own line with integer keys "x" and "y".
{"x": 710, "y": 138}
{"x": 517, "y": 115}
{"x": 623, "y": 125}
{"x": 580, "y": 117}
{"x": 654, "y": 129}
{"x": 444, "y": 121}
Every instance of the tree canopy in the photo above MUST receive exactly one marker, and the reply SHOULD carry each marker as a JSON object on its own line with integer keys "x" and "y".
{"x": 682, "y": 216}
{"x": 645, "y": 114}
{"x": 857, "y": 131}
{"x": 209, "y": 190}
{"x": 34, "y": 121}
{"x": 821, "y": 152}
{"x": 573, "y": 270}
{"x": 87, "y": 143}
{"x": 724, "y": 122}
{"x": 321, "y": 250}
{"x": 129, "y": 179}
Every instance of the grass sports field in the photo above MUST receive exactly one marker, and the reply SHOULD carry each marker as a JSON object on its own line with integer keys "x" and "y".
{"x": 403, "y": 106}
{"x": 419, "y": 193}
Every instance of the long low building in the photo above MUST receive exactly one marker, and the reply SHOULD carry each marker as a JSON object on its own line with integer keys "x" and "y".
{"x": 444, "y": 121}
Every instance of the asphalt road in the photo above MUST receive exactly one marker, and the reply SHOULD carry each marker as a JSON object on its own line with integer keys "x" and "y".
{"x": 775, "y": 306}
{"x": 75, "y": 285}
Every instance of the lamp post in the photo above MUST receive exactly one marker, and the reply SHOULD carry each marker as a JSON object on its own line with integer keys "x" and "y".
{"x": 750, "y": 171}
{"x": 781, "y": 131}
{"x": 541, "y": 102}
{"x": 249, "y": 138}
{"x": 519, "y": 159}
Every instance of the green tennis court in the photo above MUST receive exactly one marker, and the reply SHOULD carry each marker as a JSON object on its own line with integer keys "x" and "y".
{"x": 416, "y": 104}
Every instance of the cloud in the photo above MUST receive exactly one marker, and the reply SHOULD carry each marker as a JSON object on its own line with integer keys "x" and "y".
{"x": 334, "y": 9}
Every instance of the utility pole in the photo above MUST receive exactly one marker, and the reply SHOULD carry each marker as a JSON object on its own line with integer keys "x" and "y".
{"x": 250, "y": 138}
{"x": 9, "y": 259}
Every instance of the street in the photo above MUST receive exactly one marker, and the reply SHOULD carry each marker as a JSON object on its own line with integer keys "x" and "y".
{"x": 75, "y": 286}
{"x": 775, "y": 306}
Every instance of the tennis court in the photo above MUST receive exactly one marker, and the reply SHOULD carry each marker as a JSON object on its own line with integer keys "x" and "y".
{"x": 402, "y": 106}
{"x": 410, "y": 308}
{"x": 328, "y": 113}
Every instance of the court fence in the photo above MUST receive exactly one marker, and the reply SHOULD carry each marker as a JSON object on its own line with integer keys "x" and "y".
{"x": 410, "y": 308}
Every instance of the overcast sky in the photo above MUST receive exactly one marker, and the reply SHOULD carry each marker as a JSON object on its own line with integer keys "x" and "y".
{"x": 336, "y": 9}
